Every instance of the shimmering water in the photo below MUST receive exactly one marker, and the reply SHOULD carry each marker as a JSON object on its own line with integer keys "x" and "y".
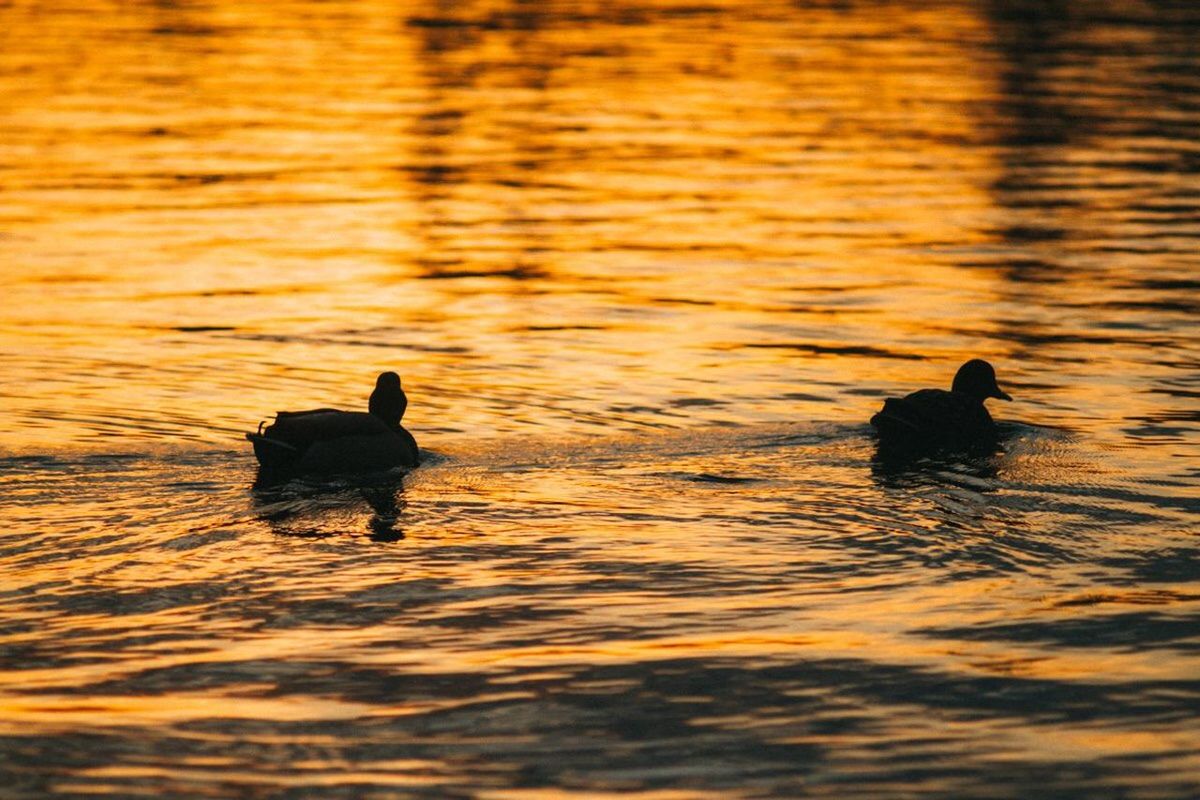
{"x": 646, "y": 269}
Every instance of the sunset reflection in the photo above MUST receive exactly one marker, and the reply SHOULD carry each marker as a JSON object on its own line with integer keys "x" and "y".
{"x": 646, "y": 270}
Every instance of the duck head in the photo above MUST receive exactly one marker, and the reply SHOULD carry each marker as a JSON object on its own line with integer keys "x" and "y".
{"x": 977, "y": 379}
{"x": 387, "y": 380}
{"x": 388, "y": 401}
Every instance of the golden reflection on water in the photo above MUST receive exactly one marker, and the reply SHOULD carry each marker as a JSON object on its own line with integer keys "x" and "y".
{"x": 646, "y": 270}
{"x": 212, "y": 212}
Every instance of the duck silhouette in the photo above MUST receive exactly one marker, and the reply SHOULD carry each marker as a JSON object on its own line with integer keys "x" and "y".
{"x": 332, "y": 441}
{"x": 388, "y": 401}
{"x": 932, "y": 419}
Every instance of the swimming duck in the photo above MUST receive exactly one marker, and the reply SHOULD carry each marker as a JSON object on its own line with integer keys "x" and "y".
{"x": 328, "y": 440}
{"x": 935, "y": 418}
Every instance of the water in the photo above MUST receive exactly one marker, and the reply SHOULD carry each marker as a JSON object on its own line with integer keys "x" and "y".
{"x": 646, "y": 270}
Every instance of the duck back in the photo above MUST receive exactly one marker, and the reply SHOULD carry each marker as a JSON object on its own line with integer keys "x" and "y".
{"x": 326, "y": 440}
{"x": 304, "y": 428}
{"x": 933, "y": 418}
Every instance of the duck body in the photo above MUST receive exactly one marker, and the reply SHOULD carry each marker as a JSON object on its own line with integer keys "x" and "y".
{"x": 933, "y": 418}
{"x": 936, "y": 419}
{"x": 329, "y": 441}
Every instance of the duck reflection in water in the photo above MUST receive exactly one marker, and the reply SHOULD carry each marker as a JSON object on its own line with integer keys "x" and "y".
{"x": 318, "y": 509}
{"x": 977, "y": 470}
{"x": 932, "y": 421}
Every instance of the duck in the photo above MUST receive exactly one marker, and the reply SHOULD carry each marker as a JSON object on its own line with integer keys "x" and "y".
{"x": 931, "y": 419}
{"x": 333, "y": 441}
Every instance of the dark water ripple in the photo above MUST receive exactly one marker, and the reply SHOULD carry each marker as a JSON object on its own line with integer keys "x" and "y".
{"x": 569, "y": 645}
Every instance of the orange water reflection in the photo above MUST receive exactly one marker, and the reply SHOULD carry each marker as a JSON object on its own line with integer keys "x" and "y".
{"x": 646, "y": 270}
{"x": 211, "y": 214}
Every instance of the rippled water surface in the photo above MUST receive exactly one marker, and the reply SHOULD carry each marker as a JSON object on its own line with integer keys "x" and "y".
{"x": 646, "y": 270}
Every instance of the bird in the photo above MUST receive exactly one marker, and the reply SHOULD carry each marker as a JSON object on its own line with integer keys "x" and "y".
{"x": 388, "y": 401}
{"x": 939, "y": 419}
{"x": 329, "y": 440}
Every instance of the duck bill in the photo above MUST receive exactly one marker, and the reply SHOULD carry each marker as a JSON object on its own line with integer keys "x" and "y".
{"x": 1000, "y": 394}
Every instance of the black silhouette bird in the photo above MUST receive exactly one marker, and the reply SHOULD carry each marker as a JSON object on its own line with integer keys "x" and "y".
{"x": 936, "y": 419}
{"x": 331, "y": 441}
{"x": 388, "y": 401}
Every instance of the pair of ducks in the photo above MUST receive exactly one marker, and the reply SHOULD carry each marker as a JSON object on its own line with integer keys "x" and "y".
{"x": 328, "y": 440}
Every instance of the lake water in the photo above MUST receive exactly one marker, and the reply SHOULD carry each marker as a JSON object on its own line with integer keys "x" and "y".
{"x": 646, "y": 270}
